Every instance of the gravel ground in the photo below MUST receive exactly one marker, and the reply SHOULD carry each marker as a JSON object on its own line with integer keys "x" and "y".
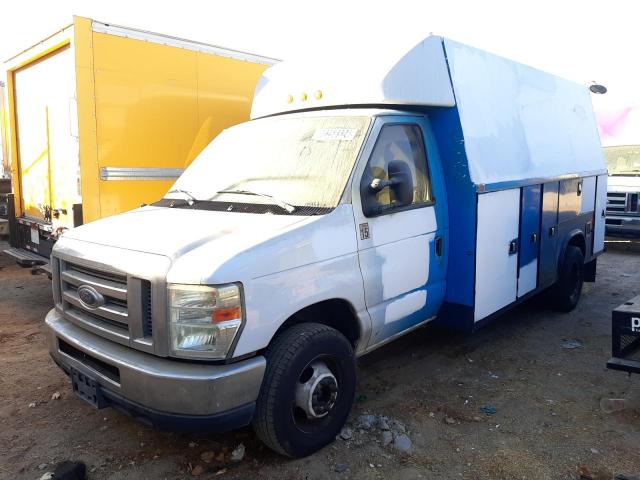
{"x": 428, "y": 387}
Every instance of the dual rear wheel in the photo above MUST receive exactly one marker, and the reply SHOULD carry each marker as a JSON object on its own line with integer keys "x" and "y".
{"x": 567, "y": 290}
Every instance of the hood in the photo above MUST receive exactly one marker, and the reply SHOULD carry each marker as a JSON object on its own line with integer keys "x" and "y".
{"x": 219, "y": 247}
{"x": 623, "y": 183}
{"x": 174, "y": 231}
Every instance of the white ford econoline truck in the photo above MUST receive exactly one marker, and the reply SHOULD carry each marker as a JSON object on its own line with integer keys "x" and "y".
{"x": 363, "y": 200}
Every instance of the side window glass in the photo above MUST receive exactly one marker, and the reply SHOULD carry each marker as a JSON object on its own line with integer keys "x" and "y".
{"x": 397, "y": 175}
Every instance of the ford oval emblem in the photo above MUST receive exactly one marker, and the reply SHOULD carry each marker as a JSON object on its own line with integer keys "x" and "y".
{"x": 90, "y": 297}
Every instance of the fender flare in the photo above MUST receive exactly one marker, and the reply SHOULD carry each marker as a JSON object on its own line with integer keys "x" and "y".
{"x": 575, "y": 233}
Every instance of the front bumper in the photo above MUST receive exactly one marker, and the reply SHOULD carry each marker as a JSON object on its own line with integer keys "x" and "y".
{"x": 170, "y": 394}
{"x": 622, "y": 225}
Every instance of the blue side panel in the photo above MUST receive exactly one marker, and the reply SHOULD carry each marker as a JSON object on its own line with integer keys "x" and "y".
{"x": 529, "y": 235}
{"x": 461, "y": 201}
{"x": 548, "y": 266}
{"x": 569, "y": 200}
{"x": 530, "y": 224}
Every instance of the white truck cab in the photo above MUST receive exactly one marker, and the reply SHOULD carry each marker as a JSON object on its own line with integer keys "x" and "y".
{"x": 441, "y": 183}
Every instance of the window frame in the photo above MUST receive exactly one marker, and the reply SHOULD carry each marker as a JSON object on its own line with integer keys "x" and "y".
{"x": 364, "y": 199}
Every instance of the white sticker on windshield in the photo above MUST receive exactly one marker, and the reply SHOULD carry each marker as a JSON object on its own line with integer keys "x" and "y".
{"x": 328, "y": 134}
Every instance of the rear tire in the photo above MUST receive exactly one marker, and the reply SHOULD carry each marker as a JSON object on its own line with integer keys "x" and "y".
{"x": 568, "y": 288}
{"x": 307, "y": 391}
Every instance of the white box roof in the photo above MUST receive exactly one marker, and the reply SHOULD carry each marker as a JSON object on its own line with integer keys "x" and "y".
{"x": 364, "y": 77}
{"x": 519, "y": 122}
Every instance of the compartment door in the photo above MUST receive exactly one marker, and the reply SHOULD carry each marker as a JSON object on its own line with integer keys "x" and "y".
{"x": 529, "y": 239}
{"x": 549, "y": 235}
{"x": 601, "y": 202}
{"x": 496, "y": 251}
{"x": 47, "y": 149}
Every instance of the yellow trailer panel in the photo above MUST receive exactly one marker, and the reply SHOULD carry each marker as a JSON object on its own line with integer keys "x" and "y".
{"x": 103, "y": 118}
{"x": 4, "y": 132}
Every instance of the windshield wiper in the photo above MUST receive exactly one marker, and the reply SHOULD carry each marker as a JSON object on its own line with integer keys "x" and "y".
{"x": 286, "y": 206}
{"x": 191, "y": 200}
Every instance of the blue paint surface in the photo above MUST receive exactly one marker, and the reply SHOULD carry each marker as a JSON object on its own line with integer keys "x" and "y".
{"x": 437, "y": 276}
{"x": 530, "y": 224}
{"x": 461, "y": 202}
{"x": 547, "y": 268}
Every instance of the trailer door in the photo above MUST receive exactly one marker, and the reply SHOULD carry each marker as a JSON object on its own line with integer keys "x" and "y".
{"x": 47, "y": 148}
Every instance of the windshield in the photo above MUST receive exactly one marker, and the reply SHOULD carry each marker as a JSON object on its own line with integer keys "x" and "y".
{"x": 293, "y": 162}
{"x": 623, "y": 160}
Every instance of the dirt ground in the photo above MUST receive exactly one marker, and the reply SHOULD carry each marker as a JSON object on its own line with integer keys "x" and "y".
{"x": 548, "y": 422}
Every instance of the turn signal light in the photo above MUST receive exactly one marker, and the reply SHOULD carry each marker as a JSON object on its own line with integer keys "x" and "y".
{"x": 226, "y": 314}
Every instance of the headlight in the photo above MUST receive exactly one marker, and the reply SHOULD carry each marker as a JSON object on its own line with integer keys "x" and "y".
{"x": 204, "y": 320}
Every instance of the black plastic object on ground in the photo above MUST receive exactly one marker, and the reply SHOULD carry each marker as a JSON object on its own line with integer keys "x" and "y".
{"x": 70, "y": 471}
{"x": 625, "y": 337}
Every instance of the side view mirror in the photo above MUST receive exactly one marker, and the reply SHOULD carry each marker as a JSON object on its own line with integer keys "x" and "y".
{"x": 400, "y": 184}
{"x": 377, "y": 184}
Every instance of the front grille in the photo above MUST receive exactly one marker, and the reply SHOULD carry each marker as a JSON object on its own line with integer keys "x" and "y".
{"x": 621, "y": 203}
{"x": 616, "y": 202}
{"x": 147, "y": 324}
{"x": 113, "y": 315}
{"x": 123, "y": 308}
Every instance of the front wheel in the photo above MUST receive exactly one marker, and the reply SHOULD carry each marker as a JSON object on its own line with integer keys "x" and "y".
{"x": 307, "y": 391}
{"x": 566, "y": 292}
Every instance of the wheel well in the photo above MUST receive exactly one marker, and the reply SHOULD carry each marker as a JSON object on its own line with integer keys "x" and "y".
{"x": 578, "y": 241}
{"x": 335, "y": 313}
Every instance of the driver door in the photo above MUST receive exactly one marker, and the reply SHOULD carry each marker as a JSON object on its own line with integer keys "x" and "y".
{"x": 399, "y": 206}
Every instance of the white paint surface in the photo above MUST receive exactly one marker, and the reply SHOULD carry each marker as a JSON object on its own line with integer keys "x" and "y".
{"x": 496, "y": 270}
{"x": 528, "y": 277}
{"x": 623, "y": 184}
{"x": 405, "y": 306}
{"x": 588, "y": 194}
{"x": 398, "y": 75}
{"x": 601, "y": 202}
{"x": 519, "y": 122}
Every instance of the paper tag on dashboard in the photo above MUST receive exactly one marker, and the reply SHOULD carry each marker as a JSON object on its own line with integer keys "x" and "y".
{"x": 334, "y": 134}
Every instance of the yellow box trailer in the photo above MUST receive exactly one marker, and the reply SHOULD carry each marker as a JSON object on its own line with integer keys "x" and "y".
{"x": 102, "y": 118}
{"x": 5, "y": 181}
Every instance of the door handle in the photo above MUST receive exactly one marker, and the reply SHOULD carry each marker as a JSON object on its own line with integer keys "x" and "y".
{"x": 534, "y": 237}
{"x": 438, "y": 246}
{"x": 602, "y": 214}
{"x": 513, "y": 246}
{"x": 552, "y": 231}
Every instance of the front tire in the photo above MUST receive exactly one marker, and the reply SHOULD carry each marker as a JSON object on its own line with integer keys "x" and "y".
{"x": 567, "y": 290}
{"x": 307, "y": 391}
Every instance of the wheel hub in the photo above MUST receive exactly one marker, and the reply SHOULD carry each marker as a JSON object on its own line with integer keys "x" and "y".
{"x": 317, "y": 390}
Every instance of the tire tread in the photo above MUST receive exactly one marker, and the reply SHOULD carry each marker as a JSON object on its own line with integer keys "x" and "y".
{"x": 279, "y": 355}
